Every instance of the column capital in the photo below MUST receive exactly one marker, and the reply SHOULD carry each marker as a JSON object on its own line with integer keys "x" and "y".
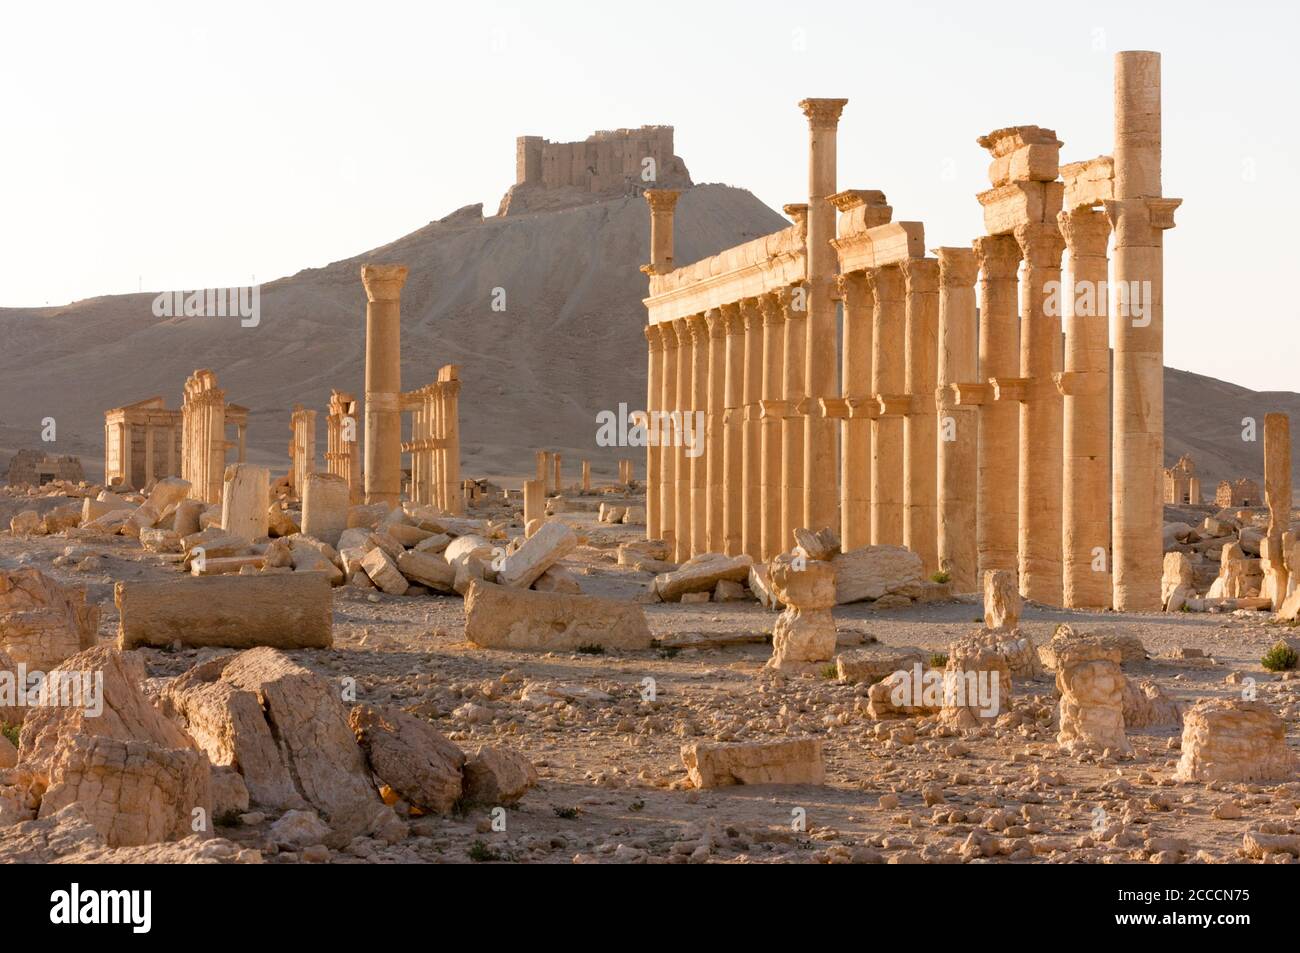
{"x": 920, "y": 275}
{"x": 383, "y": 282}
{"x": 886, "y": 283}
{"x": 770, "y": 305}
{"x": 1085, "y": 230}
{"x": 661, "y": 200}
{"x": 715, "y": 321}
{"x": 854, "y": 289}
{"x": 823, "y": 113}
{"x": 654, "y": 338}
{"x": 682, "y": 331}
{"x": 732, "y": 319}
{"x": 1040, "y": 243}
{"x": 698, "y": 327}
{"x": 957, "y": 266}
{"x": 794, "y": 302}
{"x": 998, "y": 255}
{"x": 752, "y": 313}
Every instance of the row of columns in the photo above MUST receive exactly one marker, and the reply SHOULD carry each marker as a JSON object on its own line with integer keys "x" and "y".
{"x": 435, "y": 442}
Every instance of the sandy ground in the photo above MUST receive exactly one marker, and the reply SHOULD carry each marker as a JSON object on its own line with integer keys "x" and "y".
{"x": 612, "y": 778}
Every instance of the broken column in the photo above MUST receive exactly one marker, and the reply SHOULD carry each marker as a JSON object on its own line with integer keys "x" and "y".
{"x": 534, "y": 501}
{"x": 805, "y": 632}
{"x": 245, "y": 499}
{"x": 383, "y": 435}
{"x": 325, "y": 502}
{"x": 302, "y": 424}
{"x": 920, "y": 466}
{"x": 888, "y": 386}
{"x": 1091, "y": 685}
{"x": 958, "y": 424}
{"x": 669, "y": 427}
{"x": 1138, "y": 215}
{"x": 452, "y": 498}
{"x": 733, "y": 432}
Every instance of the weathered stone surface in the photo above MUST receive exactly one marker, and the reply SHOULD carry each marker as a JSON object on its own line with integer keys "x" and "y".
{"x": 407, "y": 754}
{"x": 8, "y": 753}
{"x": 547, "y": 546}
{"x": 497, "y": 776}
{"x": 1002, "y": 600}
{"x": 822, "y": 544}
{"x": 976, "y": 682}
{"x": 427, "y": 569}
{"x": 1130, "y": 647}
{"x": 325, "y": 506}
{"x": 874, "y": 571}
{"x": 1258, "y": 846}
{"x": 245, "y": 497}
{"x": 794, "y": 761}
{"x": 160, "y": 540}
{"x": 1147, "y": 706}
{"x": 805, "y": 631}
{"x": 507, "y": 618}
{"x": 873, "y": 663}
{"x": 559, "y": 579}
{"x": 383, "y": 572}
{"x": 41, "y": 621}
{"x": 701, "y": 574}
{"x": 307, "y": 558}
{"x": 1177, "y": 572}
{"x": 1092, "y": 697}
{"x": 1234, "y": 740}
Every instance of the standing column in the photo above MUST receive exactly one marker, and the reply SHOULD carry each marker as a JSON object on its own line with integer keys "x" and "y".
{"x": 751, "y": 465}
{"x": 653, "y": 459}
{"x": 888, "y": 380}
{"x": 733, "y": 431}
{"x": 1085, "y": 389}
{"x": 1139, "y": 215}
{"x": 772, "y": 417}
{"x": 1041, "y": 442}
{"x": 127, "y": 458}
{"x": 794, "y": 303}
{"x": 559, "y": 484}
{"x": 668, "y": 439}
{"x": 820, "y": 502}
{"x": 540, "y": 457}
{"x": 855, "y": 429}
{"x": 921, "y": 377}
{"x": 715, "y": 533}
{"x": 1277, "y": 494}
{"x": 586, "y": 488}
{"x": 958, "y": 443}
{"x": 682, "y": 510}
{"x": 383, "y": 439}
{"x": 997, "y": 509}
{"x": 699, "y": 461}
{"x": 661, "y": 202}
{"x": 455, "y": 495}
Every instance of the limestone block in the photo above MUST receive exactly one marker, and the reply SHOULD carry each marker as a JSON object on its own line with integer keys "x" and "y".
{"x": 325, "y": 507}
{"x": 160, "y": 540}
{"x": 290, "y": 610}
{"x": 41, "y": 621}
{"x": 215, "y": 543}
{"x": 805, "y": 631}
{"x": 305, "y": 558}
{"x": 823, "y": 544}
{"x": 407, "y": 754}
{"x": 497, "y": 776}
{"x": 383, "y": 572}
{"x": 559, "y": 579}
{"x": 26, "y": 523}
{"x": 1002, "y": 601}
{"x": 702, "y": 574}
{"x": 629, "y": 554}
{"x": 1177, "y": 572}
{"x": 185, "y": 520}
{"x": 509, "y": 618}
{"x": 367, "y": 515}
{"x": 91, "y": 510}
{"x": 1021, "y": 203}
{"x": 167, "y": 493}
{"x": 245, "y": 497}
{"x": 1258, "y": 846}
{"x": 794, "y": 761}
{"x": 229, "y": 792}
{"x": 61, "y": 518}
{"x": 1092, "y": 698}
{"x": 1147, "y": 706}
{"x": 874, "y": 571}
{"x": 1130, "y": 647}
{"x": 108, "y": 524}
{"x": 634, "y": 516}
{"x": 434, "y": 544}
{"x": 409, "y": 536}
{"x": 427, "y": 569}
{"x": 547, "y": 546}
{"x": 976, "y": 682}
{"x": 874, "y": 663}
{"x": 1234, "y": 740}
{"x": 281, "y": 522}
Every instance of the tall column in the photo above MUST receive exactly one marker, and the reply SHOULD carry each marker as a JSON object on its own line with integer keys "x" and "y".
{"x": 653, "y": 456}
{"x": 148, "y": 453}
{"x": 820, "y": 503}
{"x": 559, "y": 483}
{"x": 888, "y": 383}
{"x": 773, "y": 415}
{"x": 997, "y": 509}
{"x": 1139, "y": 215}
{"x": 920, "y": 455}
{"x": 1085, "y": 389}
{"x": 661, "y": 202}
{"x": 682, "y": 504}
{"x": 668, "y": 439}
{"x": 959, "y": 432}
{"x": 699, "y": 461}
{"x": 127, "y": 457}
{"x": 855, "y": 429}
{"x": 751, "y": 529}
{"x": 455, "y": 495}
{"x": 1277, "y": 494}
{"x": 543, "y": 467}
{"x": 383, "y": 439}
{"x": 1041, "y": 442}
{"x": 733, "y": 431}
{"x": 794, "y": 301}
{"x": 657, "y": 492}
{"x": 715, "y": 533}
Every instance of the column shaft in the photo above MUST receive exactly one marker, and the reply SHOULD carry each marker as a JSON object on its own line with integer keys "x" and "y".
{"x": 920, "y": 463}
{"x": 888, "y": 380}
{"x": 958, "y": 438}
{"x": 733, "y": 430}
{"x": 751, "y": 528}
{"x": 855, "y": 430}
{"x": 773, "y": 414}
{"x": 793, "y": 392}
{"x": 715, "y": 396}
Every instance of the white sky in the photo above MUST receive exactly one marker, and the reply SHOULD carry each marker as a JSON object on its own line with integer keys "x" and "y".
{"x": 176, "y": 146}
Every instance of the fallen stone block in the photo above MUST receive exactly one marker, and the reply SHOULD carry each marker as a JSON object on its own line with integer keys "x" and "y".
{"x": 558, "y": 579}
{"x": 870, "y": 665}
{"x": 702, "y": 574}
{"x": 41, "y": 621}
{"x": 546, "y": 547}
{"x": 1234, "y": 740}
{"x": 1130, "y": 647}
{"x": 795, "y": 761}
{"x": 509, "y": 618}
{"x": 410, "y": 757}
{"x": 427, "y": 569}
{"x": 497, "y": 776}
{"x": 875, "y": 571}
{"x": 383, "y": 572}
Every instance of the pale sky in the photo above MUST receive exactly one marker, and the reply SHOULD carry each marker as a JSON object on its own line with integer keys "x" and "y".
{"x": 176, "y": 146}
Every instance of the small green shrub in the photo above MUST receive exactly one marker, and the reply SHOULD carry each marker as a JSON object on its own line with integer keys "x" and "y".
{"x": 591, "y": 648}
{"x": 939, "y": 660}
{"x": 1280, "y": 658}
{"x": 566, "y": 813}
{"x": 941, "y": 577}
{"x": 830, "y": 671}
{"x": 480, "y": 852}
{"x": 11, "y": 732}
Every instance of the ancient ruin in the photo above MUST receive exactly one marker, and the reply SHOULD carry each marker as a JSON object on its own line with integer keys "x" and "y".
{"x": 206, "y": 420}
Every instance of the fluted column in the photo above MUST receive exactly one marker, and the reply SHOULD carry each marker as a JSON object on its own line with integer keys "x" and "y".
{"x": 820, "y": 499}
{"x": 699, "y": 402}
{"x": 1139, "y": 216}
{"x": 682, "y": 477}
{"x": 733, "y": 430}
{"x": 855, "y": 428}
{"x": 1041, "y": 442}
{"x": 998, "y": 499}
{"x": 715, "y": 396}
{"x": 958, "y": 443}
{"x": 668, "y": 438}
{"x": 383, "y": 438}
{"x": 920, "y": 455}
{"x": 888, "y": 385}
{"x": 1085, "y": 390}
{"x": 793, "y": 392}
{"x": 653, "y": 459}
{"x": 773, "y": 415}
{"x": 751, "y": 528}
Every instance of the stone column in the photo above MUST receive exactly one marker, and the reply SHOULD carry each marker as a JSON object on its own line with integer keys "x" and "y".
{"x": 682, "y": 474}
{"x": 543, "y": 467}
{"x": 794, "y": 301}
{"x": 888, "y": 381}
{"x": 661, "y": 202}
{"x": 958, "y": 443}
{"x": 997, "y": 496}
{"x": 818, "y": 484}
{"x": 1085, "y": 389}
{"x": 668, "y": 439}
{"x": 699, "y": 461}
{"x": 1277, "y": 494}
{"x": 534, "y": 501}
{"x": 586, "y": 487}
{"x": 455, "y": 502}
{"x": 126, "y": 457}
{"x": 715, "y": 398}
{"x": 653, "y": 455}
{"x": 733, "y": 433}
{"x": 245, "y": 499}
{"x": 1139, "y": 215}
{"x": 751, "y": 530}
{"x": 1041, "y": 442}
{"x": 383, "y": 438}
{"x": 772, "y": 416}
{"x": 855, "y": 429}
{"x": 325, "y": 501}
{"x": 920, "y": 455}
{"x": 559, "y": 483}
{"x": 148, "y": 454}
